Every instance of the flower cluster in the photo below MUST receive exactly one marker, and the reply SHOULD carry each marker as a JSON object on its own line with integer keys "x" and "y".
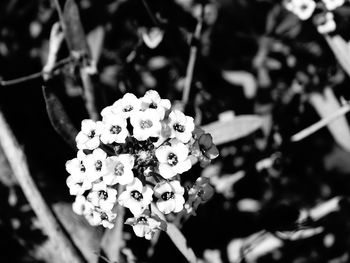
{"x": 324, "y": 19}
{"x": 134, "y": 157}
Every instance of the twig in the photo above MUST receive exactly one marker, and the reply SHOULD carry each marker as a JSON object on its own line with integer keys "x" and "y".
{"x": 17, "y": 160}
{"x": 58, "y": 65}
{"x": 192, "y": 59}
{"x": 320, "y": 124}
{"x": 150, "y": 13}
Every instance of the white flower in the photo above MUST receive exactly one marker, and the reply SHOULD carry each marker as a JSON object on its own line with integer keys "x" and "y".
{"x": 77, "y": 181}
{"x": 104, "y": 218}
{"x": 89, "y": 136}
{"x": 81, "y": 206}
{"x": 173, "y": 159}
{"x": 333, "y": 4}
{"x": 146, "y": 124}
{"x": 181, "y": 126}
{"x": 146, "y": 225}
{"x": 127, "y": 105}
{"x": 114, "y": 130}
{"x": 136, "y": 197}
{"x": 95, "y": 164}
{"x": 301, "y": 8}
{"x": 326, "y": 24}
{"x": 152, "y": 100}
{"x": 102, "y": 196}
{"x": 119, "y": 169}
{"x": 170, "y": 197}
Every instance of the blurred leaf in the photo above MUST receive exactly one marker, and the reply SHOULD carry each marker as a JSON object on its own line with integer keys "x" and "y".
{"x": 180, "y": 242}
{"x": 58, "y": 116}
{"x": 341, "y": 51}
{"x": 86, "y": 237}
{"x": 95, "y": 41}
{"x": 74, "y": 31}
{"x": 244, "y": 79}
{"x": 326, "y": 105}
{"x": 240, "y": 126}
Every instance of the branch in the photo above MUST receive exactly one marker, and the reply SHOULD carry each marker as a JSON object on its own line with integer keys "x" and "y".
{"x": 320, "y": 124}
{"x": 17, "y": 160}
{"x": 192, "y": 59}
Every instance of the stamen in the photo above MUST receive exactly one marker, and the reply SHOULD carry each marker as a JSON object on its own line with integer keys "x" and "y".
{"x": 115, "y": 129}
{"x": 167, "y": 195}
{"x": 146, "y": 124}
{"x": 119, "y": 169}
{"x": 136, "y": 195}
{"x": 98, "y": 165}
{"x": 172, "y": 159}
{"x": 178, "y": 127}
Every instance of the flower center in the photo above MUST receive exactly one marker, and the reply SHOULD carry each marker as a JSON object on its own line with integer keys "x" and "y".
{"x": 172, "y": 159}
{"x": 178, "y": 127}
{"x": 167, "y": 195}
{"x": 102, "y": 195}
{"x": 92, "y": 134}
{"x": 104, "y": 216}
{"x": 153, "y": 105}
{"x": 115, "y": 129}
{"x": 119, "y": 169}
{"x": 98, "y": 165}
{"x": 136, "y": 195}
{"x": 82, "y": 167}
{"x": 128, "y": 108}
{"x": 146, "y": 124}
{"x": 141, "y": 220}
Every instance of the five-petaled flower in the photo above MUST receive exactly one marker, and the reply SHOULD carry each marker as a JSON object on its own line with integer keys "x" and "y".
{"x": 199, "y": 193}
{"x": 170, "y": 196}
{"x": 146, "y": 225}
{"x": 203, "y": 147}
{"x": 152, "y": 100}
{"x": 98, "y": 217}
{"x": 77, "y": 181}
{"x": 173, "y": 159}
{"x": 114, "y": 129}
{"x": 127, "y": 105}
{"x": 119, "y": 169}
{"x": 181, "y": 126}
{"x": 89, "y": 136}
{"x": 145, "y": 124}
{"x": 136, "y": 197}
{"x": 96, "y": 164}
{"x": 301, "y": 8}
{"x": 103, "y": 196}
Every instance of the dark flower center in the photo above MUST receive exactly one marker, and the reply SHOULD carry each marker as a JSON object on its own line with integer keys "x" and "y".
{"x": 104, "y": 216}
{"x": 102, "y": 195}
{"x": 136, "y": 195}
{"x": 119, "y": 169}
{"x": 115, "y": 129}
{"x": 146, "y": 124}
{"x": 128, "y": 108}
{"x": 172, "y": 159}
{"x": 167, "y": 195}
{"x": 92, "y": 134}
{"x": 82, "y": 167}
{"x": 178, "y": 127}
{"x": 142, "y": 220}
{"x": 153, "y": 105}
{"x": 98, "y": 165}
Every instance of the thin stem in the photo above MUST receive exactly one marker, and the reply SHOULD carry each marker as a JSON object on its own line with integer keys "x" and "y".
{"x": 11, "y": 82}
{"x": 192, "y": 60}
{"x": 150, "y": 13}
{"x": 320, "y": 124}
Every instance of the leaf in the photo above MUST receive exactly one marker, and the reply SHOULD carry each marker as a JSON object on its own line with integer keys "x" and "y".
{"x": 341, "y": 51}
{"x": 86, "y": 237}
{"x": 227, "y": 131}
{"x": 243, "y": 78}
{"x": 95, "y": 41}
{"x": 326, "y": 105}
{"x": 74, "y": 31}
{"x": 180, "y": 242}
{"x": 58, "y": 116}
